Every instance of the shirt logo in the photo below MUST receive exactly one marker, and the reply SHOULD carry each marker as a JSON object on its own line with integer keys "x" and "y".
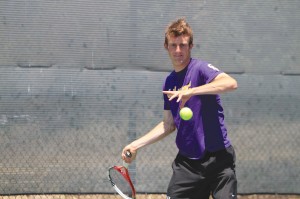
{"x": 213, "y": 67}
{"x": 186, "y": 87}
{"x": 183, "y": 88}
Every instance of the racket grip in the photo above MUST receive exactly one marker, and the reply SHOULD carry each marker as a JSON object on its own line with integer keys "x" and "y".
{"x": 128, "y": 154}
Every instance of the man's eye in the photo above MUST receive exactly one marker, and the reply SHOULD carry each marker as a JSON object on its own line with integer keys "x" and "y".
{"x": 183, "y": 45}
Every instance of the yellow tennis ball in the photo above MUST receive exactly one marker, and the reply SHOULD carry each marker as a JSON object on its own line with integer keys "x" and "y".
{"x": 186, "y": 113}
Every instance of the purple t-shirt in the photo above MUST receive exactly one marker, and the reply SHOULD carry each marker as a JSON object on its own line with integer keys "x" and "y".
{"x": 206, "y": 131}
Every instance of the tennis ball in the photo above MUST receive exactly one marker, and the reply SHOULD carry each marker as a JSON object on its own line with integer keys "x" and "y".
{"x": 186, "y": 113}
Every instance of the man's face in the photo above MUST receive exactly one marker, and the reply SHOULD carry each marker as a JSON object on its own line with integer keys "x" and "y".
{"x": 179, "y": 51}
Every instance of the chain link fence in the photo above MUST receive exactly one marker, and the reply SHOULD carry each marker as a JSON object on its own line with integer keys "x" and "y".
{"x": 61, "y": 131}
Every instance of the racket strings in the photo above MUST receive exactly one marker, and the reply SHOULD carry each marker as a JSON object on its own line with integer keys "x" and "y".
{"x": 120, "y": 183}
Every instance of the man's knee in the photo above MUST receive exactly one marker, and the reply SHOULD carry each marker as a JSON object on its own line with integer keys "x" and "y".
{"x": 226, "y": 187}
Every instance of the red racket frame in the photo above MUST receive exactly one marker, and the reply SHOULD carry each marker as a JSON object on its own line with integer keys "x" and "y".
{"x": 124, "y": 172}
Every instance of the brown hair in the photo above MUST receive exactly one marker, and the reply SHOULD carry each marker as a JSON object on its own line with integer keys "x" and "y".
{"x": 177, "y": 28}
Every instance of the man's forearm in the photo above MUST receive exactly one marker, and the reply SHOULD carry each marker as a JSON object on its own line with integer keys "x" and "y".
{"x": 157, "y": 133}
{"x": 223, "y": 83}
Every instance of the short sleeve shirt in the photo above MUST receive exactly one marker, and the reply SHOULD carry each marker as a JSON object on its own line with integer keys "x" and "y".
{"x": 206, "y": 131}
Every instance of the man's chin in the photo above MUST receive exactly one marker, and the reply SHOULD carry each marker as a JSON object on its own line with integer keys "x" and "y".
{"x": 179, "y": 61}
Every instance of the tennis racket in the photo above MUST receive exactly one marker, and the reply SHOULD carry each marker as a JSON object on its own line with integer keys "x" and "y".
{"x": 120, "y": 180}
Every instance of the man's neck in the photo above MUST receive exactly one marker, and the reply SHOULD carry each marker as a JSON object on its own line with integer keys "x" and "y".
{"x": 181, "y": 66}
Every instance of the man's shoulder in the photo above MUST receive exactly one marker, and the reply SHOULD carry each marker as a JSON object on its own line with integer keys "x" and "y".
{"x": 172, "y": 74}
{"x": 170, "y": 77}
{"x": 198, "y": 62}
{"x": 198, "y": 65}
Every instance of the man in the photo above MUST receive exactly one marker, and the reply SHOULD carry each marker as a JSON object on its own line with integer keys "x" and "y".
{"x": 205, "y": 163}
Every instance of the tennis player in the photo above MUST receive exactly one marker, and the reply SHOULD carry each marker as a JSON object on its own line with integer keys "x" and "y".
{"x": 205, "y": 163}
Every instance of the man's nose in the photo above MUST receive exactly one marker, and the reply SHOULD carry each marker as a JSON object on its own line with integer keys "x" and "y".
{"x": 178, "y": 49}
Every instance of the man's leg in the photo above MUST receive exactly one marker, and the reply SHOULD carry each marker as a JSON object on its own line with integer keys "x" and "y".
{"x": 224, "y": 182}
{"x": 225, "y": 186}
{"x": 187, "y": 182}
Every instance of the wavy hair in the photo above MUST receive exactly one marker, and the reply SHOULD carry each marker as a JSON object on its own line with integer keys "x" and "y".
{"x": 177, "y": 28}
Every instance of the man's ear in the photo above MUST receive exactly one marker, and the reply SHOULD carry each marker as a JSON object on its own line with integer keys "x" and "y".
{"x": 191, "y": 46}
{"x": 166, "y": 46}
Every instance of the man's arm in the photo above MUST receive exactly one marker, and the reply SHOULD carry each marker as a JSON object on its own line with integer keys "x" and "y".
{"x": 162, "y": 130}
{"x": 220, "y": 84}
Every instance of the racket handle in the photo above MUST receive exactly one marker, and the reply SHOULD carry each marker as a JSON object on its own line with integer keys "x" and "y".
{"x": 128, "y": 154}
{"x": 125, "y": 164}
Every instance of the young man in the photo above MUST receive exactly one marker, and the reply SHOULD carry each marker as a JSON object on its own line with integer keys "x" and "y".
{"x": 205, "y": 163}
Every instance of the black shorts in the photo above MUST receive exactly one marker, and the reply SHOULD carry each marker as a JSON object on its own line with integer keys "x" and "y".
{"x": 214, "y": 175}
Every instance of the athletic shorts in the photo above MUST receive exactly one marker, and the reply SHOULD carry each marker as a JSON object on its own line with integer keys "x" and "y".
{"x": 214, "y": 175}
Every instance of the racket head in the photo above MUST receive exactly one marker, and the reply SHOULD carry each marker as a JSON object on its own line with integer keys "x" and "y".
{"x": 121, "y": 182}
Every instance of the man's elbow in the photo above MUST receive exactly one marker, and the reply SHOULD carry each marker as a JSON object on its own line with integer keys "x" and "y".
{"x": 169, "y": 128}
{"x": 229, "y": 82}
{"x": 234, "y": 84}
